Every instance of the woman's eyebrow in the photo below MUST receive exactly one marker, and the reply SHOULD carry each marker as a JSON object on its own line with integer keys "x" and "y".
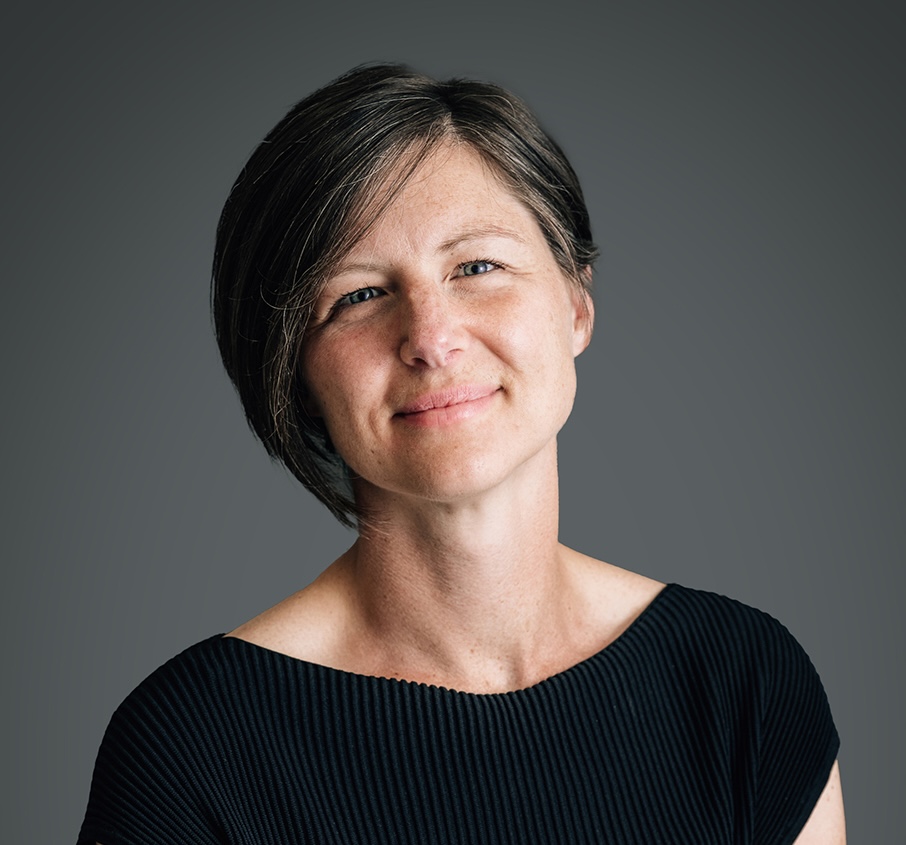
{"x": 357, "y": 267}
{"x": 478, "y": 233}
{"x": 473, "y": 233}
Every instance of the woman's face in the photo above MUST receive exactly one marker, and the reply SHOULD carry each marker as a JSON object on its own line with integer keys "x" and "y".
{"x": 441, "y": 352}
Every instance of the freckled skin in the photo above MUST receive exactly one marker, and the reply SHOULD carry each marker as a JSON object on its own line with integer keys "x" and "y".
{"x": 454, "y": 286}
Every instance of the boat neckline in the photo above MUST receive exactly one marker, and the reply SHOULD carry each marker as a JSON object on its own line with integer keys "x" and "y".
{"x": 616, "y": 644}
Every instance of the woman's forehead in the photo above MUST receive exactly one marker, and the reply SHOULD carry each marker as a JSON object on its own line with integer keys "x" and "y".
{"x": 451, "y": 196}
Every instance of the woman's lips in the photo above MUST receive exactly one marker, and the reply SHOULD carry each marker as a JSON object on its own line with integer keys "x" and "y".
{"x": 448, "y": 406}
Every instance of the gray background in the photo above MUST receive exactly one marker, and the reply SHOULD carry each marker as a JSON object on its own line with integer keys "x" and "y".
{"x": 740, "y": 419}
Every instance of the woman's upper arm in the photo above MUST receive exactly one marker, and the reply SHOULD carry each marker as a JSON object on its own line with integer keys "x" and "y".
{"x": 826, "y": 824}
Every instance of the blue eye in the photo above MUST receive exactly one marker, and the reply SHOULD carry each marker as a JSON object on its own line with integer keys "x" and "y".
{"x": 358, "y": 296}
{"x": 476, "y": 268}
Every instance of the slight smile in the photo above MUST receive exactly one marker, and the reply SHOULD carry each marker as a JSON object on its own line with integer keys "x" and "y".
{"x": 449, "y": 406}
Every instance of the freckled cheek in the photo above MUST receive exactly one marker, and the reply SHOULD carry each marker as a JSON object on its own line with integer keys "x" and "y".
{"x": 347, "y": 383}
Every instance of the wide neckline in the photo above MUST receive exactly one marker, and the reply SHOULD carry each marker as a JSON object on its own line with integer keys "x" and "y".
{"x": 614, "y": 645}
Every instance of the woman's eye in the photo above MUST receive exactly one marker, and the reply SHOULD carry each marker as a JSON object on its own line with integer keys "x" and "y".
{"x": 476, "y": 268}
{"x": 357, "y": 296}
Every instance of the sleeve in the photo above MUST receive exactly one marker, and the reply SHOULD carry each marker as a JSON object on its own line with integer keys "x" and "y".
{"x": 145, "y": 789}
{"x": 797, "y": 742}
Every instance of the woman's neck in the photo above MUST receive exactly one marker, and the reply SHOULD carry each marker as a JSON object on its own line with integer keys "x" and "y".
{"x": 468, "y": 594}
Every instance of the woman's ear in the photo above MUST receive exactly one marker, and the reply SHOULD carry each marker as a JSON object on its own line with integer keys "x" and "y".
{"x": 584, "y": 313}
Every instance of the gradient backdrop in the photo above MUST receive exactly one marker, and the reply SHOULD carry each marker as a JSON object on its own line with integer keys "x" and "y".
{"x": 740, "y": 417}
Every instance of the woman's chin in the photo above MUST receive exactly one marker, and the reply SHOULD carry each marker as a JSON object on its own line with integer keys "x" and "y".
{"x": 468, "y": 481}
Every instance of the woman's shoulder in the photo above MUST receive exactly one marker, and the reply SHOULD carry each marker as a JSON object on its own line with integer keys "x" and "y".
{"x": 613, "y": 597}
{"x": 731, "y": 647}
{"x": 171, "y": 688}
{"x": 714, "y": 617}
{"x": 172, "y": 747}
{"x": 221, "y": 686}
{"x": 698, "y": 624}
{"x": 307, "y": 625}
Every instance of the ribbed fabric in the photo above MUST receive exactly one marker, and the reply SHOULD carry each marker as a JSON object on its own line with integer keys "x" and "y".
{"x": 703, "y": 723}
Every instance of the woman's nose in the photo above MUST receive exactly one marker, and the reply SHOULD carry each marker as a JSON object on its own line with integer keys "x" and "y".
{"x": 432, "y": 332}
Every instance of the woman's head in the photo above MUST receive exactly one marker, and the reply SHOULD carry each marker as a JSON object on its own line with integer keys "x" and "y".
{"x": 314, "y": 187}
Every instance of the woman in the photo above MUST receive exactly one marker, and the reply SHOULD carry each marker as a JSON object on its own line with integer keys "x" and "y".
{"x": 401, "y": 286}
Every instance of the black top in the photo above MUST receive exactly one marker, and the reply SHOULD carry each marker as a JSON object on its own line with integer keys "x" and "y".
{"x": 703, "y": 723}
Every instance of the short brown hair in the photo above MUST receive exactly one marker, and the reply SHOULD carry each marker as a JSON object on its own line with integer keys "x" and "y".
{"x": 312, "y": 189}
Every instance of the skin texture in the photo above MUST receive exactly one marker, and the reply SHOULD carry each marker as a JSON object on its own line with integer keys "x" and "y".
{"x": 826, "y": 825}
{"x": 442, "y": 361}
